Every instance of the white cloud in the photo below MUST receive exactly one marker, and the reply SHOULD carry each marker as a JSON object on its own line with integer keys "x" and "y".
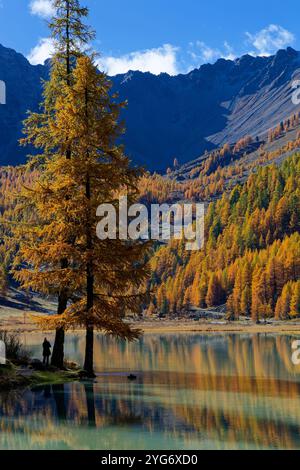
{"x": 169, "y": 58}
{"x": 229, "y": 52}
{"x": 206, "y": 53}
{"x": 160, "y": 60}
{"x": 42, "y": 51}
{"x": 201, "y": 53}
{"x": 42, "y": 8}
{"x": 270, "y": 39}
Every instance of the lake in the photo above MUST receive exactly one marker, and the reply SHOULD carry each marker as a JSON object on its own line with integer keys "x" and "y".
{"x": 193, "y": 391}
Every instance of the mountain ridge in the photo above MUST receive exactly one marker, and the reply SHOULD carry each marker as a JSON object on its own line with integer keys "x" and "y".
{"x": 169, "y": 116}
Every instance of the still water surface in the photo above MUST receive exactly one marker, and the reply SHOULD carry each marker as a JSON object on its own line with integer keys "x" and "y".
{"x": 193, "y": 391}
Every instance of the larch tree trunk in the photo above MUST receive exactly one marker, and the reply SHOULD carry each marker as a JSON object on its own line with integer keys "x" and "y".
{"x": 58, "y": 353}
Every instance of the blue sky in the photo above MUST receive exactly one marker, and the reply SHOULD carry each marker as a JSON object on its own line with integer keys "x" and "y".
{"x": 172, "y": 36}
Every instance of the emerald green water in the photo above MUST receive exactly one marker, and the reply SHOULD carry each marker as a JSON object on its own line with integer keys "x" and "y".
{"x": 193, "y": 391}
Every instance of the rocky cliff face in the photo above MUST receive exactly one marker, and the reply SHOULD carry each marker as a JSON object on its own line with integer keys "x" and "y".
{"x": 167, "y": 116}
{"x": 23, "y": 93}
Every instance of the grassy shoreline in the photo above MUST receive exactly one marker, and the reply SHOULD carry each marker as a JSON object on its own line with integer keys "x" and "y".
{"x": 13, "y": 377}
{"x": 189, "y": 326}
{"x": 16, "y": 325}
{"x": 17, "y": 317}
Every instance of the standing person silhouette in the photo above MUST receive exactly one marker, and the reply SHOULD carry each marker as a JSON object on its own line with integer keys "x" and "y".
{"x": 46, "y": 352}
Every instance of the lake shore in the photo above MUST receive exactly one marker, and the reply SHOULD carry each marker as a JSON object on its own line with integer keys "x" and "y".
{"x": 206, "y": 326}
{"x": 17, "y": 314}
{"x": 14, "y": 377}
{"x": 18, "y": 324}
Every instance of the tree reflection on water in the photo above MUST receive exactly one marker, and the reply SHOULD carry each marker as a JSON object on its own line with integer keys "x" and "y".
{"x": 224, "y": 391}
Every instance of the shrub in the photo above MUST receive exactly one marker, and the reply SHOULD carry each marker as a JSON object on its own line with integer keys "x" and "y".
{"x": 15, "y": 351}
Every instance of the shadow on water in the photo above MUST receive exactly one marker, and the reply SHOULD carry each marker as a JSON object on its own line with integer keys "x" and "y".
{"x": 90, "y": 403}
{"x": 60, "y": 401}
